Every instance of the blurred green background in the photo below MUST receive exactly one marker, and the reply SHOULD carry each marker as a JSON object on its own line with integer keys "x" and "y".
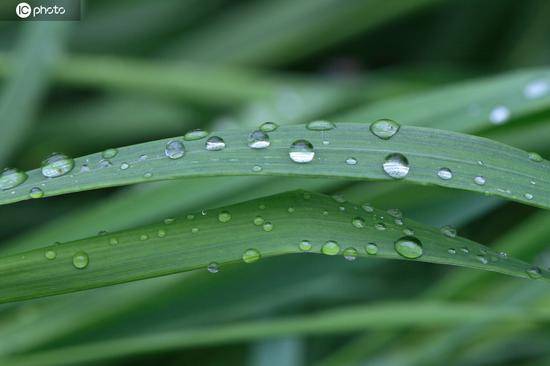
{"x": 133, "y": 70}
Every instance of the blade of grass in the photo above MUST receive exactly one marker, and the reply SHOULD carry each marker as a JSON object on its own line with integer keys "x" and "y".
{"x": 508, "y": 172}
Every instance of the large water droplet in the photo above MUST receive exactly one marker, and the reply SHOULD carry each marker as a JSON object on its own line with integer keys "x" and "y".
{"x": 536, "y": 89}
{"x": 396, "y": 166}
{"x": 350, "y": 254}
{"x": 330, "y": 248}
{"x": 213, "y": 267}
{"x": 371, "y": 248}
{"x": 320, "y": 126}
{"x": 445, "y": 173}
{"x": 479, "y": 180}
{"x": 251, "y": 255}
{"x": 499, "y": 115}
{"x": 195, "y": 135}
{"x": 384, "y": 128}
{"x": 80, "y": 260}
{"x": 11, "y": 178}
{"x": 57, "y": 165}
{"x": 268, "y": 126}
{"x": 174, "y": 149}
{"x": 533, "y": 156}
{"x": 301, "y": 151}
{"x": 215, "y": 143}
{"x": 36, "y": 193}
{"x": 258, "y": 140}
{"x": 109, "y": 153}
{"x": 409, "y": 247}
{"x": 305, "y": 245}
{"x": 224, "y": 216}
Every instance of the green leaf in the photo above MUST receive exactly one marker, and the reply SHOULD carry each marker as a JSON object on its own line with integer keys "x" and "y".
{"x": 265, "y": 227}
{"x": 477, "y": 164}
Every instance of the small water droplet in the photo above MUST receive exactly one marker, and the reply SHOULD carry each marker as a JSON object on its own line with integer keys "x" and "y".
{"x": 113, "y": 241}
{"x": 291, "y": 210}
{"x": 258, "y": 140}
{"x": 482, "y": 259}
{"x": 174, "y": 149}
{"x": 384, "y": 128}
{"x": 350, "y": 254}
{"x": 380, "y": 226}
{"x": 147, "y": 175}
{"x": 351, "y": 161}
{"x": 215, "y": 143}
{"x": 11, "y": 178}
{"x": 36, "y": 193}
{"x": 105, "y": 163}
{"x": 257, "y": 168}
{"x": 190, "y": 217}
{"x": 161, "y": 233}
{"x": 258, "y": 220}
{"x": 251, "y": 256}
{"x": 305, "y": 245}
{"x": 56, "y": 165}
{"x": 534, "y": 273}
{"x": 536, "y": 89}
{"x": 465, "y": 250}
{"x": 84, "y": 168}
{"x": 320, "y": 126}
{"x": 143, "y": 237}
{"x": 261, "y": 206}
{"x": 301, "y": 151}
{"x": 330, "y": 248}
{"x": 80, "y": 260}
{"x": 267, "y": 226}
{"x": 396, "y": 166}
{"x": 503, "y": 254}
{"x": 395, "y": 212}
{"x": 204, "y": 212}
{"x": 50, "y": 254}
{"x": 451, "y": 251}
{"x": 533, "y": 156}
{"x": 479, "y": 180}
{"x": 224, "y": 216}
{"x": 109, "y": 153}
{"x": 195, "y": 230}
{"x": 358, "y": 222}
{"x": 367, "y": 207}
{"x": 213, "y": 267}
{"x": 528, "y": 196}
{"x": 408, "y": 231}
{"x": 169, "y": 221}
{"x": 268, "y": 126}
{"x": 195, "y": 135}
{"x": 445, "y": 173}
{"x": 142, "y": 157}
{"x": 499, "y": 115}
{"x": 339, "y": 198}
{"x": 409, "y": 247}
{"x": 371, "y": 248}
{"x": 398, "y": 222}
{"x": 124, "y": 166}
{"x": 448, "y": 231}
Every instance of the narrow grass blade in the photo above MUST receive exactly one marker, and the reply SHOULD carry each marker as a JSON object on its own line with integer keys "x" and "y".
{"x": 347, "y": 151}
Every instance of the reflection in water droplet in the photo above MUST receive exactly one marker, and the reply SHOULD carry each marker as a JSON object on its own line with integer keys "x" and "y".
{"x": 11, "y": 178}
{"x": 56, "y": 165}
{"x": 213, "y": 267}
{"x": 301, "y": 151}
{"x": 258, "y": 140}
{"x": 371, "y": 248}
{"x": 330, "y": 248}
{"x": 174, "y": 149}
{"x": 124, "y": 166}
{"x": 499, "y": 115}
{"x": 445, "y": 173}
{"x": 305, "y": 245}
{"x": 409, "y": 247}
{"x": 251, "y": 255}
{"x": 351, "y": 161}
{"x": 320, "y": 126}
{"x": 80, "y": 260}
{"x": 384, "y": 128}
{"x": 396, "y": 166}
{"x": 479, "y": 180}
{"x": 528, "y": 196}
{"x": 215, "y": 143}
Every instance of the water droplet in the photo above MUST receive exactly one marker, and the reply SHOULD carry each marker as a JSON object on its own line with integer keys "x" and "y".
{"x": 195, "y": 135}
{"x": 261, "y": 206}
{"x": 339, "y": 198}
{"x": 251, "y": 256}
{"x": 195, "y": 230}
{"x": 408, "y": 231}
{"x": 533, "y": 156}
{"x": 109, "y": 153}
{"x": 396, "y": 166}
{"x": 301, "y": 151}
{"x": 398, "y": 222}
{"x": 213, "y": 267}
{"x": 11, "y": 178}
{"x": 215, "y": 143}
{"x": 330, "y": 248}
{"x": 143, "y": 237}
{"x": 536, "y": 89}
{"x": 305, "y": 245}
{"x": 84, "y": 168}
{"x": 80, "y": 260}
{"x": 409, "y": 247}
{"x": 380, "y": 226}
{"x": 113, "y": 241}
{"x": 358, "y": 222}
{"x": 395, "y": 212}
{"x": 367, "y": 207}
{"x": 102, "y": 232}
{"x": 57, "y": 165}
{"x": 291, "y": 210}
{"x": 267, "y": 226}
{"x": 258, "y": 220}
{"x": 451, "y": 251}
{"x": 465, "y": 250}
{"x": 371, "y": 248}
{"x": 147, "y": 175}
{"x": 268, "y": 126}
{"x": 350, "y": 254}
{"x": 105, "y": 163}
{"x": 50, "y": 254}
{"x": 161, "y": 233}
{"x": 534, "y": 273}
{"x": 36, "y": 193}
{"x": 351, "y": 161}
{"x": 224, "y": 216}
{"x": 257, "y": 168}
{"x": 142, "y": 157}
{"x": 445, "y": 173}
{"x": 258, "y": 140}
{"x": 448, "y": 231}
{"x": 482, "y": 259}
{"x": 124, "y": 166}
{"x": 169, "y": 221}
{"x": 320, "y": 126}
{"x": 503, "y": 254}
{"x": 174, "y": 149}
{"x": 384, "y": 128}
{"x": 499, "y": 115}
{"x": 479, "y": 180}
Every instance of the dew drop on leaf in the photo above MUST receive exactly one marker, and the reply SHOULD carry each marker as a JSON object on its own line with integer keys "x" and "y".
{"x": 56, "y": 165}
{"x": 80, "y": 260}
{"x": 533, "y": 156}
{"x": 251, "y": 255}
{"x": 320, "y": 126}
{"x": 396, "y": 166}
{"x": 213, "y": 267}
{"x": 224, "y": 216}
{"x": 330, "y": 248}
{"x": 215, "y": 143}
{"x": 409, "y": 247}
{"x": 358, "y": 222}
{"x": 351, "y": 161}
{"x": 195, "y": 135}
{"x": 479, "y": 180}
{"x": 305, "y": 245}
{"x": 534, "y": 272}
{"x": 536, "y": 89}
{"x": 50, "y": 254}
{"x": 267, "y": 226}
{"x": 384, "y": 128}
{"x": 445, "y": 173}
{"x": 258, "y": 140}
{"x": 350, "y": 254}
{"x": 11, "y": 178}
{"x": 174, "y": 149}
{"x": 448, "y": 231}
{"x": 109, "y": 153}
{"x": 301, "y": 151}
{"x": 36, "y": 193}
{"x": 268, "y": 126}
{"x": 371, "y": 248}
